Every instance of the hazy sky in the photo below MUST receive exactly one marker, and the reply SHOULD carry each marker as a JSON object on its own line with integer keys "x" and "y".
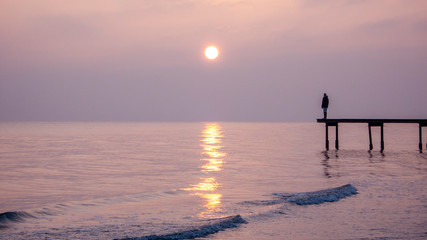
{"x": 142, "y": 60}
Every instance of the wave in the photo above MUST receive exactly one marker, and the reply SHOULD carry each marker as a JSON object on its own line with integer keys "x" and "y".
{"x": 8, "y": 217}
{"x": 204, "y": 228}
{"x": 318, "y": 197}
{"x": 215, "y": 226}
{"x": 263, "y": 202}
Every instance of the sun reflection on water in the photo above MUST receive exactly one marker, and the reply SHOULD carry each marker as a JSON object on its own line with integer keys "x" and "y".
{"x": 208, "y": 184}
{"x": 214, "y": 159}
{"x": 211, "y": 144}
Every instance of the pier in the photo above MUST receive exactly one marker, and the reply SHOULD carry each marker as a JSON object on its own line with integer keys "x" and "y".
{"x": 371, "y": 123}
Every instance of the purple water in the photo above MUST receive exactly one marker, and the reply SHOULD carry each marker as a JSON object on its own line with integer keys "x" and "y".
{"x": 209, "y": 180}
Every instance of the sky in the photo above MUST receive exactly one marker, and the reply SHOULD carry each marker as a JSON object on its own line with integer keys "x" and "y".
{"x": 142, "y": 60}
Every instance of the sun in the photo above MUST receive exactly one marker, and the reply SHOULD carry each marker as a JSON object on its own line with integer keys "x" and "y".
{"x": 211, "y": 52}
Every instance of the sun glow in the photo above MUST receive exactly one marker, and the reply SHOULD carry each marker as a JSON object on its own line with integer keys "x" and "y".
{"x": 211, "y": 52}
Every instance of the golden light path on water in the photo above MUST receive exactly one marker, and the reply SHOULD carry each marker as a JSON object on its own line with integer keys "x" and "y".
{"x": 213, "y": 158}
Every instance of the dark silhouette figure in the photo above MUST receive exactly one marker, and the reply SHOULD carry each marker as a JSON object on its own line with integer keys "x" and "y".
{"x": 325, "y": 104}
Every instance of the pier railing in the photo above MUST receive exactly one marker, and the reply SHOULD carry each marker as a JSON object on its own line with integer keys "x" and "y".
{"x": 371, "y": 123}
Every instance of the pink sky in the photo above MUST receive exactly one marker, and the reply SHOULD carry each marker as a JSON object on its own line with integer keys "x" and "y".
{"x": 143, "y": 60}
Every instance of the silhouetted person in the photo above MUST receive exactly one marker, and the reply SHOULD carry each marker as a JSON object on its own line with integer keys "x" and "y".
{"x": 325, "y": 104}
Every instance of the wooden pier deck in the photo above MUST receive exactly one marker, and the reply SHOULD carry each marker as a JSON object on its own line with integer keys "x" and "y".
{"x": 371, "y": 123}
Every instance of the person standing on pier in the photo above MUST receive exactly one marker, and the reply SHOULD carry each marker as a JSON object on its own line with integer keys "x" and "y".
{"x": 325, "y": 104}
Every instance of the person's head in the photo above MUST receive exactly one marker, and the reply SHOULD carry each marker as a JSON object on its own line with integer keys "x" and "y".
{"x": 325, "y": 95}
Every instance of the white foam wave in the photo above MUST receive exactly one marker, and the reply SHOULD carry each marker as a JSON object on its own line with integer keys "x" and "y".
{"x": 213, "y": 227}
{"x": 318, "y": 197}
{"x": 8, "y": 217}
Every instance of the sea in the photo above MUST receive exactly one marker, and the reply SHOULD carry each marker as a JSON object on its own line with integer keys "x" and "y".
{"x": 210, "y": 180}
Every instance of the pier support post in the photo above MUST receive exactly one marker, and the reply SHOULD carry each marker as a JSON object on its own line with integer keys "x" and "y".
{"x": 336, "y": 137}
{"x": 370, "y": 138}
{"x": 382, "y": 137}
{"x": 371, "y": 123}
{"x": 376, "y": 124}
{"x": 327, "y": 125}
{"x": 327, "y": 137}
{"x": 420, "y": 145}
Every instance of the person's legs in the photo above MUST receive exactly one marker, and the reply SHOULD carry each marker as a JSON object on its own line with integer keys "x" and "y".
{"x": 325, "y": 113}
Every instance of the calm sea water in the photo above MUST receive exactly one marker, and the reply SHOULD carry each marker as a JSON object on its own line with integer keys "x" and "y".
{"x": 209, "y": 180}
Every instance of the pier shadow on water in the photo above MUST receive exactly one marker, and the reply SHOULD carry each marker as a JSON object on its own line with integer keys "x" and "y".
{"x": 340, "y": 163}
